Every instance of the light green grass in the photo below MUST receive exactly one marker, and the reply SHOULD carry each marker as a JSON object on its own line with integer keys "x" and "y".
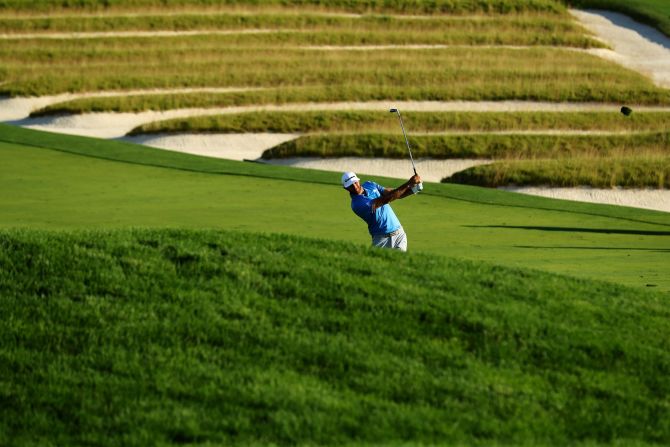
{"x": 222, "y": 338}
{"x": 365, "y": 121}
{"x": 59, "y": 190}
{"x": 653, "y": 12}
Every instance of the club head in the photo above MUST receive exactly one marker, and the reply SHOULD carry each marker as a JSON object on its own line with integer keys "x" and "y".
{"x": 393, "y": 110}
{"x": 626, "y": 110}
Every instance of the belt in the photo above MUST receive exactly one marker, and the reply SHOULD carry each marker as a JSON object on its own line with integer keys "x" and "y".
{"x": 391, "y": 234}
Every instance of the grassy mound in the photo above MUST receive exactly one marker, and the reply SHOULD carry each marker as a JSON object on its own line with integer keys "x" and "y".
{"x": 147, "y": 336}
{"x": 376, "y": 121}
{"x": 627, "y": 172}
{"x": 513, "y": 146}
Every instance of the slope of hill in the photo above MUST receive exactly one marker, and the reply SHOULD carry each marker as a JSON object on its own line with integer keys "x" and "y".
{"x": 131, "y": 337}
{"x": 53, "y": 181}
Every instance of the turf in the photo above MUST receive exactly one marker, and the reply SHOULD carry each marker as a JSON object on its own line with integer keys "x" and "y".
{"x": 650, "y": 171}
{"x": 135, "y": 337}
{"x": 416, "y": 121}
{"x": 305, "y": 75}
{"x": 116, "y": 185}
{"x": 479, "y": 145}
{"x": 360, "y": 6}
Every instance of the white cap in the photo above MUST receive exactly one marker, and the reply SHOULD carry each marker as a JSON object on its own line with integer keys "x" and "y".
{"x": 349, "y": 178}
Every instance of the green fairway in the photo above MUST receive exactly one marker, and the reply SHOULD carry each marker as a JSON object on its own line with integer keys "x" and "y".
{"x": 151, "y": 297}
{"x": 55, "y": 190}
{"x": 158, "y": 337}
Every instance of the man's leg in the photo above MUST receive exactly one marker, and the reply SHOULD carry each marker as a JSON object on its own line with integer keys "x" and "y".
{"x": 382, "y": 242}
{"x": 400, "y": 241}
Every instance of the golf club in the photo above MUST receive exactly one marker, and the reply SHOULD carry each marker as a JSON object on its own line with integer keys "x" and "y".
{"x": 416, "y": 188}
{"x": 626, "y": 110}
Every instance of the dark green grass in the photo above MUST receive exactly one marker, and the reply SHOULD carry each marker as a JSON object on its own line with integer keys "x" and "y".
{"x": 361, "y": 6}
{"x": 483, "y": 145}
{"x": 364, "y": 121}
{"x": 625, "y": 172}
{"x": 652, "y": 12}
{"x": 84, "y": 183}
{"x": 204, "y": 337}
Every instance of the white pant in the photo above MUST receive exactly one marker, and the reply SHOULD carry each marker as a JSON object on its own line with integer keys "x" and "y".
{"x": 397, "y": 241}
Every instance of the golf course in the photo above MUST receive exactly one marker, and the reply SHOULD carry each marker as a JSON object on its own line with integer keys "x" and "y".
{"x": 188, "y": 297}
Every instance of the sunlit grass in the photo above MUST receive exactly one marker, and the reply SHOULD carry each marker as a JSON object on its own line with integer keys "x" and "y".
{"x": 369, "y": 121}
{"x": 644, "y": 170}
{"x": 303, "y": 75}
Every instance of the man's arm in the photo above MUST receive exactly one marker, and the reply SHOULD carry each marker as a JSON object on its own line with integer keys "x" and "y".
{"x": 400, "y": 192}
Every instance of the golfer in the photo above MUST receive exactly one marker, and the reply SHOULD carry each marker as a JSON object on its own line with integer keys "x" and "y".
{"x": 370, "y": 202}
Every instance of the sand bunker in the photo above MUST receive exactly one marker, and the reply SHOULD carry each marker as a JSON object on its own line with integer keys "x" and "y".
{"x": 429, "y": 169}
{"x": 116, "y": 125}
{"x": 249, "y": 146}
{"x": 19, "y": 108}
{"x": 653, "y": 199}
{"x": 636, "y": 46}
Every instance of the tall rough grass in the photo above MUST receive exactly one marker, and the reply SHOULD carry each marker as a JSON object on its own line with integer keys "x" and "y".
{"x": 360, "y": 6}
{"x": 472, "y": 146}
{"x": 639, "y": 171}
{"x": 456, "y": 72}
{"x": 536, "y": 24}
{"x": 368, "y": 121}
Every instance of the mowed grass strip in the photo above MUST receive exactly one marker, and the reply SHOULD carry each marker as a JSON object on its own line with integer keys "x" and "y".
{"x": 234, "y": 338}
{"x": 368, "y": 121}
{"x": 361, "y": 6}
{"x": 514, "y": 146}
{"x": 641, "y": 171}
{"x": 300, "y": 76}
{"x": 511, "y": 29}
{"x": 450, "y": 73}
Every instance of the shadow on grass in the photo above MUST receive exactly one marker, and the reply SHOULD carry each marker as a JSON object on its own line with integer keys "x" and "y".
{"x": 576, "y": 230}
{"x": 561, "y": 247}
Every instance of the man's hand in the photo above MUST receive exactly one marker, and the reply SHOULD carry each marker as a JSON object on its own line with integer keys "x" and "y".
{"x": 405, "y": 190}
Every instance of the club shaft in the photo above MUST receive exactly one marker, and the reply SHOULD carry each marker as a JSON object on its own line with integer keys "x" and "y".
{"x": 402, "y": 126}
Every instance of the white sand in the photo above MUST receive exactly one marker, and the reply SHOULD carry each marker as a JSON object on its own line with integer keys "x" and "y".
{"x": 636, "y": 46}
{"x": 249, "y": 146}
{"x": 430, "y": 170}
{"x": 653, "y": 199}
{"x": 19, "y": 108}
{"x": 115, "y": 125}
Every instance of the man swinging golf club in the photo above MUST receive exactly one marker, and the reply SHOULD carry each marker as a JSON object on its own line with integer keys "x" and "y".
{"x": 370, "y": 201}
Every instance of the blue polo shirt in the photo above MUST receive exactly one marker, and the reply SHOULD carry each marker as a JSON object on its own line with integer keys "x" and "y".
{"x": 383, "y": 220}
